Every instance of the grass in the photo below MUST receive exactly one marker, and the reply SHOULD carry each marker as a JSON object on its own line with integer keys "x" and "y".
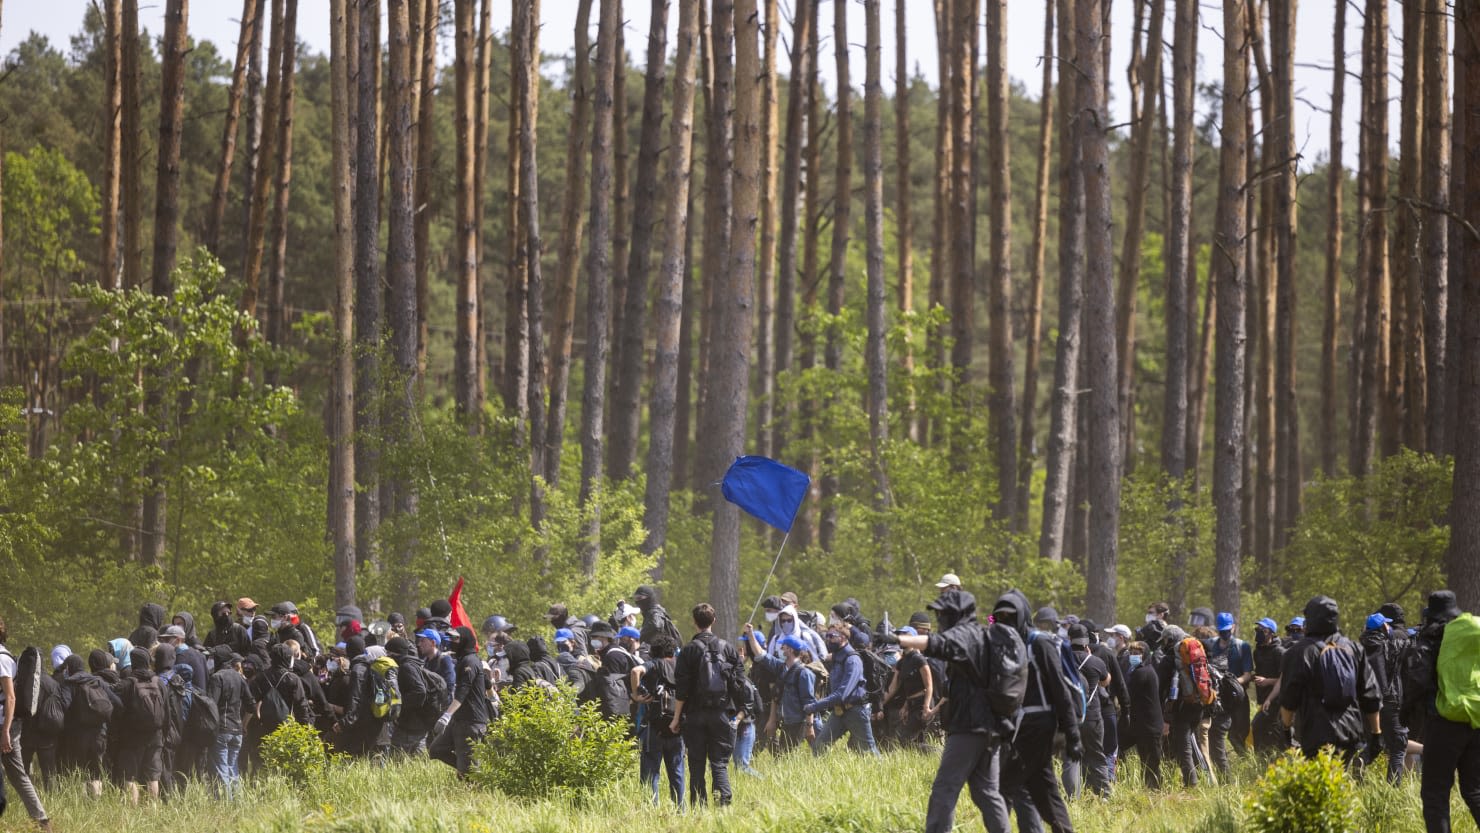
{"x": 840, "y": 792}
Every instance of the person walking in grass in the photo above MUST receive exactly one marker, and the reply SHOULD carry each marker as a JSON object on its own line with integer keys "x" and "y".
{"x": 10, "y": 739}
{"x": 847, "y": 696}
{"x": 702, "y": 678}
{"x": 660, "y": 746}
{"x": 465, "y": 722}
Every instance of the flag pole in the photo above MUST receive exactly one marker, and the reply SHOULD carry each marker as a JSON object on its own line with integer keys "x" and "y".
{"x": 767, "y": 582}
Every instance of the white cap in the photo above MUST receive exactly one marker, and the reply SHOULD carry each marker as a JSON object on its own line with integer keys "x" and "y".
{"x": 1121, "y": 630}
{"x": 948, "y": 580}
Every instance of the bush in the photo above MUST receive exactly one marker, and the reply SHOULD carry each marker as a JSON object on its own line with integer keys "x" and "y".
{"x": 1299, "y": 795}
{"x": 546, "y": 745}
{"x": 295, "y": 751}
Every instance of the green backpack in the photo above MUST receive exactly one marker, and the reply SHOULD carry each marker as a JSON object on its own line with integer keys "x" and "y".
{"x": 387, "y": 702}
{"x": 1459, "y": 671}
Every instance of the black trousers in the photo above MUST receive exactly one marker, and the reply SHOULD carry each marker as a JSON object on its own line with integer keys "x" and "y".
{"x": 1148, "y": 747}
{"x": 709, "y": 739}
{"x": 970, "y": 760}
{"x": 1449, "y": 748}
{"x": 1185, "y": 720}
{"x": 1029, "y": 783}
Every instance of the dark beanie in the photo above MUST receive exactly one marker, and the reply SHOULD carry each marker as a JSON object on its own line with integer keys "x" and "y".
{"x": 354, "y": 646}
{"x": 441, "y": 608}
{"x": 99, "y": 659}
{"x": 398, "y": 646}
{"x": 139, "y": 658}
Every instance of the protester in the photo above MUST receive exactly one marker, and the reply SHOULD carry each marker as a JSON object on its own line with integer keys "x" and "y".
{"x": 659, "y": 744}
{"x": 11, "y": 738}
{"x": 1235, "y": 661}
{"x": 847, "y": 696}
{"x": 1328, "y": 687}
{"x": 466, "y": 719}
{"x": 702, "y": 676}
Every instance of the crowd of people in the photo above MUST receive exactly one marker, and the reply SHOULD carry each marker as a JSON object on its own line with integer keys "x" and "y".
{"x": 999, "y": 694}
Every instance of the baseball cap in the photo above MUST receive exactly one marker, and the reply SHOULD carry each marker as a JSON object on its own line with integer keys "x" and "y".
{"x": 564, "y": 635}
{"x": 1225, "y": 621}
{"x": 948, "y": 580}
{"x": 557, "y": 611}
{"x": 428, "y": 633}
{"x": 1046, "y": 614}
{"x": 793, "y": 643}
{"x": 629, "y": 632}
{"x": 1123, "y": 631}
{"x": 905, "y": 630}
{"x": 1297, "y": 622}
{"x": 1268, "y": 624}
{"x": 173, "y": 632}
{"x": 245, "y": 603}
{"x": 1376, "y": 621}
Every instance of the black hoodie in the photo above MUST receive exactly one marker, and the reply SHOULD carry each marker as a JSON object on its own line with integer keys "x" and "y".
{"x": 546, "y": 667}
{"x": 150, "y": 616}
{"x": 1048, "y": 691}
{"x": 1301, "y": 685}
{"x": 190, "y": 636}
{"x": 962, "y": 642}
{"x": 655, "y": 619}
{"x": 521, "y": 671}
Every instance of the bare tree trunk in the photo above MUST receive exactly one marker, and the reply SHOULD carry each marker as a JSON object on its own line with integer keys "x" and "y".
{"x": 465, "y": 344}
{"x": 369, "y": 298}
{"x": 683, "y": 411}
{"x": 621, "y": 222}
{"x": 711, "y": 459}
{"x": 1408, "y": 380}
{"x": 903, "y": 219}
{"x": 1064, "y": 419}
{"x": 598, "y": 291}
{"x": 480, "y": 169}
{"x": 1288, "y": 476}
{"x": 1003, "y": 403}
{"x": 1377, "y": 290}
{"x": 342, "y": 405}
{"x": 254, "y": 95}
{"x": 263, "y": 177}
{"x": 837, "y": 273}
{"x": 940, "y": 244}
{"x": 668, "y": 308}
{"x": 1335, "y": 180}
{"x": 806, "y": 525}
{"x": 426, "y": 77}
{"x": 1435, "y": 234}
{"x": 131, "y": 177}
{"x": 877, "y": 300}
{"x": 791, "y": 186}
{"x": 1259, "y": 316}
{"x": 528, "y": 77}
{"x": 1147, "y": 77}
{"x": 1179, "y": 265}
{"x": 572, "y": 225}
{"x": 963, "y": 192}
{"x": 1027, "y": 446}
{"x": 765, "y": 387}
{"x": 1454, "y": 323}
{"x": 277, "y": 275}
{"x": 1462, "y": 565}
{"x": 515, "y": 368}
{"x": 245, "y": 43}
{"x": 1230, "y": 266}
{"x": 1198, "y": 385}
{"x": 627, "y": 391}
{"x": 730, "y": 359}
{"x": 112, "y": 142}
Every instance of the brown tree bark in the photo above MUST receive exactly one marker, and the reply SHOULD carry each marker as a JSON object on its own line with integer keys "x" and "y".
{"x": 1027, "y": 446}
{"x": 1259, "y": 518}
{"x": 1287, "y": 469}
{"x": 480, "y": 170}
{"x": 528, "y": 77}
{"x": 791, "y": 190}
{"x": 246, "y": 42}
{"x": 598, "y": 290}
{"x": 1335, "y": 180}
{"x": 465, "y": 231}
{"x": 1181, "y": 271}
{"x": 683, "y": 410}
{"x": 805, "y": 529}
{"x": 369, "y": 297}
{"x": 963, "y": 194}
{"x": 1435, "y": 234}
{"x": 627, "y": 390}
{"x": 572, "y": 227}
{"x": 426, "y": 78}
{"x": 277, "y": 274}
{"x": 1002, "y": 405}
{"x": 1454, "y": 324}
{"x": 837, "y": 272}
{"x": 765, "y": 380}
{"x": 514, "y": 376}
{"x": 1462, "y": 564}
{"x": 1064, "y": 413}
{"x": 668, "y": 307}
{"x": 252, "y": 105}
{"x": 108, "y": 277}
{"x": 903, "y": 219}
{"x": 940, "y": 243}
{"x": 342, "y": 404}
{"x": 1376, "y": 289}
{"x": 263, "y": 176}
{"x": 730, "y": 359}
{"x": 876, "y": 312}
{"x": 1408, "y": 379}
{"x": 1231, "y": 268}
{"x": 131, "y": 177}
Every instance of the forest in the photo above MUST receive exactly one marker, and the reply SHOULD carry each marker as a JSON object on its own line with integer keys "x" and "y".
{"x": 343, "y": 328}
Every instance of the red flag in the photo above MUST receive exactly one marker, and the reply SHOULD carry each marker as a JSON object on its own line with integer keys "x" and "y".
{"x": 459, "y": 617}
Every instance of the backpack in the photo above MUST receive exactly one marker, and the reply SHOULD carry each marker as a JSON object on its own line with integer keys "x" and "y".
{"x": 1338, "y": 666}
{"x": 178, "y": 699}
{"x": 749, "y": 698}
{"x": 146, "y": 704}
{"x": 1198, "y": 685}
{"x": 1418, "y": 668}
{"x": 275, "y": 710}
{"x": 50, "y": 715}
{"x": 820, "y": 675}
{"x": 387, "y": 702}
{"x": 666, "y": 627}
{"x": 438, "y": 697}
{"x": 875, "y": 677}
{"x": 91, "y": 706}
{"x": 204, "y": 721}
{"x": 1459, "y": 671}
{"x": 1007, "y": 673}
{"x": 715, "y": 676}
{"x": 1069, "y": 667}
{"x": 27, "y": 681}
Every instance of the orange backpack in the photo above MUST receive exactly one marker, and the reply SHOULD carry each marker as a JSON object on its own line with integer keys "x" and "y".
{"x": 1197, "y": 677}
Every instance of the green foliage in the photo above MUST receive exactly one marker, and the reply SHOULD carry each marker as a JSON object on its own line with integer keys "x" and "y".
{"x": 294, "y": 751}
{"x": 547, "y": 745}
{"x": 1298, "y": 795}
{"x": 1166, "y": 541}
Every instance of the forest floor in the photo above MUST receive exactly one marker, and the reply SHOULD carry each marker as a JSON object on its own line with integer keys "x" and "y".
{"x": 839, "y": 792}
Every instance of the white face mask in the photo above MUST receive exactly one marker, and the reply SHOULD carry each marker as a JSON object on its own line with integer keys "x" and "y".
{"x": 597, "y": 644}
{"x": 772, "y": 615}
{"x": 1063, "y": 633}
{"x": 1113, "y": 642}
{"x": 1151, "y": 617}
{"x": 247, "y": 619}
{"x": 277, "y": 623}
{"x": 788, "y": 626}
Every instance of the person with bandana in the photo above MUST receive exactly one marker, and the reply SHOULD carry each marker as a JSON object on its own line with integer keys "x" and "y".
{"x": 847, "y": 697}
{"x": 789, "y": 623}
{"x": 1269, "y": 654}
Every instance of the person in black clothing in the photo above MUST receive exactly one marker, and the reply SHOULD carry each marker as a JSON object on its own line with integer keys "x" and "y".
{"x": 279, "y": 677}
{"x": 1182, "y": 710}
{"x": 559, "y": 617}
{"x": 974, "y": 735}
{"x": 1270, "y": 736}
{"x": 186, "y": 622}
{"x": 1144, "y": 724}
{"x": 234, "y": 703}
{"x": 85, "y": 742}
{"x": 653, "y": 683}
{"x": 699, "y": 711}
{"x": 141, "y": 726}
{"x": 44, "y": 729}
{"x": 466, "y": 720}
{"x": 1097, "y": 677}
{"x": 1448, "y": 747}
{"x": 176, "y": 637}
{"x": 1301, "y": 691}
{"x": 151, "y": 622}
{"x": 522, "y": 671}
{"x": 655, "y": 618}
{"x": 358, "y": 730}
{"x": 1030, "y": 784}
{"x": 1383, "y": 646}
{"x": 911, "y": 690}
{"x": 409, "y": 735}
{"x": 227, "y": 632}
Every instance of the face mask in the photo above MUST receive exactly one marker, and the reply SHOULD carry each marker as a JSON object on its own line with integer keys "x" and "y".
{"x": 772, "y": 615}
{"x": 277, "y": 623}
{"x": 1135, "y": 660}
{"x": 1225, "y": 634}
{"x": 598, "y": 644}
{"x": 788, "y": 626}
{"x": 1063, "y": 633}
{"x": 247, "y": 619}
{"x": 1150, "y": 617}
{"x": 1113, "y": 642}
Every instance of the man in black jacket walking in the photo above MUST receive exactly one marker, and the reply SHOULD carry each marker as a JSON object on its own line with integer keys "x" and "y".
{"x": 1304, "y": 694}
{"x": 701, "y": 675}
{"x": 466, "y": 720}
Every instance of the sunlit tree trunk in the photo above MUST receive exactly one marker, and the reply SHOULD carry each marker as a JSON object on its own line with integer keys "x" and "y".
{"x": 246, "y": 42}
{"x": 711, "y": 459}
{"x": 1335, "y": 182}
{"x": 903, "y": 216}
{"x": 790, "y": 207}
{"x": 1027, "y": 447}
{"x": 342, "y": 405}
{"x": 940, "y": 241}
{"x": 528, "y": 77}
{"x": 1283, "y": 222}
{"x": 1435, "y": 235}
{"x": 765, "y": 379}
{"x": 465, "y": 231}
{"x": 1179, "y": 266}
{"x": 112, "y": 141}
{"x": 1002, "y": 406}
{"x": 877, "y": 296}
{"x": 263, "y": 176}
{"x": 1408, "y": 380}
{"x": 837, "y": 273}
{"x": 277, "y": 275}
{"x": 426, "y": 77}
{"x": 1462, "y": 566}
{"x": 369, "y": 297}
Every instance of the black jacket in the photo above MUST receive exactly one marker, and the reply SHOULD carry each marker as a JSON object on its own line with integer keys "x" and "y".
{"x": 471, "y": 692}
{"x": 1118, "y": 696}
{"x": 1145, "y": 702}
{"x": 313, "y": 690}
{"x": 545, "y": 666}
{"x": 688, "y": 670}
{"x": 1269, "y": 659}
{"x": 358, "y": 717}
{"x": 1048, "y": 691}
{"x": 150, "y": 616}
{"x": 1383, "y": 650}
{"x": 964, "y": 648}
{"x": 1301, "y": 686}
{"x": 230, "y": 634}
{"x": 414, "y": 719}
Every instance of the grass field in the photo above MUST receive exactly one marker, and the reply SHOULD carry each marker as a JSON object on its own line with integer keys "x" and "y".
{"x": 840, "y": 792}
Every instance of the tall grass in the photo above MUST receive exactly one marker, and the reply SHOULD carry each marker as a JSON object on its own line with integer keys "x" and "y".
{"x": 838, "y": 792}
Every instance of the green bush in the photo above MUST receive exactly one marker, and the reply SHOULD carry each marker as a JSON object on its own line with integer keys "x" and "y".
{"x": 295, "y": 751}
{"x": 546, "y": 745}
{"x": 1300, "y": 795}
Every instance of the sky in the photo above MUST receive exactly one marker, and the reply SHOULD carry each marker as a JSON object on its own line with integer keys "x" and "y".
{"x": 218, "y": 21}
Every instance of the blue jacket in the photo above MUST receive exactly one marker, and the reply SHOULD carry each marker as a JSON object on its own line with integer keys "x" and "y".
{"x": 845, "y": 680}
{"x": 798, "y": 688}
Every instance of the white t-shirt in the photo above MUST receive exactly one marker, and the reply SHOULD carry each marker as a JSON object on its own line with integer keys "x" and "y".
{"x": 7, "y": 669}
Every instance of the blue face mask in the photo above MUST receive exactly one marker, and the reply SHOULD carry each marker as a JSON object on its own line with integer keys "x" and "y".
{"x": 1135, "y": 660}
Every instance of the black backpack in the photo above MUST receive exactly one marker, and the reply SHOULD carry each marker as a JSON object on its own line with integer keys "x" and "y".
{"x": 27, "y": 681}
{"x": 1338, "y": 666}
{"x": 1418, "y": 669}
{"x": 179, "y": 700}
{"x": 1007, "y": 674}
{"x": 274, "y": 709}
{"x": 875, "y": 677}
{"x": 716, "y": 683}
{"x": 91, "y": 706}
{"x": 204, "y": 721}
{"x": 438, "y": 698}
{"x": 145, "y": 707}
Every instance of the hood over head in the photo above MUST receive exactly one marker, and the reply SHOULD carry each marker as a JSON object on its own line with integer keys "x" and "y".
{"x": 517, "y": 652}
{"x": 354, "y": 646}
{"x": 152, "y": 615}
{"x": 122, "y": 651}
{"x": 1012, "y": 608}
{"x": 1172, "y": 635}
{"x": 189, "y": 626}
{"x": 953, "y": 607}
{"x": 281, "y": 656}
{"x": 74, "y": 664}
{"x": 138, "y": 660}
{"x": 98, "y": 659}
{"x": 538, "y": 650}
{"x": 440, "y": 609}
{"x": 1322, "y": 617}
{"x": 645, "y": 596}
{"x": 164, "y": 658}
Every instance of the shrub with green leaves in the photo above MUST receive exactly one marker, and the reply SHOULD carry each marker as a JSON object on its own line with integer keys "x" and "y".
{"x": 546, "y": 745}
{"x": 295, "y": 751}
{"x": 1300, "y": 795}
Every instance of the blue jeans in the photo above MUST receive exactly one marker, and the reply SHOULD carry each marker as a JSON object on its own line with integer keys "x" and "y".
{"x": 659, "y": 752}
{"x": 224, "y": 759}
{"x": 857, "y": 721}
{"x": 744, "y": 745}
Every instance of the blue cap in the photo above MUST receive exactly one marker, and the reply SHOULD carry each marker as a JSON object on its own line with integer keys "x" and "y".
{"x": 1297, "y": 622}
{"x": 1376, "y": 621}
{"x": 760, "y": 638}
{"x": 906, "y": 631}
{"x": 628, "y": 632}
{"x": 1225, "y": 621}
{"x": 1268, "y": 624}
{"x": 793, "y": 643}
{"x": 564, "y": 635}
{"x": 428, "y": 633}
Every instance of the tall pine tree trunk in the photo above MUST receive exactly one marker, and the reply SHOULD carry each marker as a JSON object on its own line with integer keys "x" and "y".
{"x": 263, "y": 178}
{"x": 877, "y": 296}
{"x": 1288, "y": 476}
{"x": 1177, "y": 251}
{"x": 1435, "y": 235}
{"x": 528, "y": 77}
{"x": 791, "y": 191}
{"x": 342, "y": 404}
{"x": 277, "y": 275}
{"x": 903, "y": 217}
{"x": 369, "y": 297}
{"x": 837, "y": 273}
{"x": 1462, "y": 564}
{"x": 246, "y": 43}
{"x": 465, "y": 231}
{"x": 1408, "y": 380}
{"x": 112, "y": 142}
{"x": 514, "y": 371}
{"x": 1002, "y": 409}
{"x": 1027, "y": 446}
{"x": 963, "y": 196}
{"x": 1335, "y": 182}
{"x": 765, "y": 380}
{"x": 1374, "y": 279}
{"x": 426, "y": 147}
{"x": 940, "y": 242}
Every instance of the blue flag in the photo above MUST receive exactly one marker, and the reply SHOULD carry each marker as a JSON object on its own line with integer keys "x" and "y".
{"x": 766, "y": 489}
